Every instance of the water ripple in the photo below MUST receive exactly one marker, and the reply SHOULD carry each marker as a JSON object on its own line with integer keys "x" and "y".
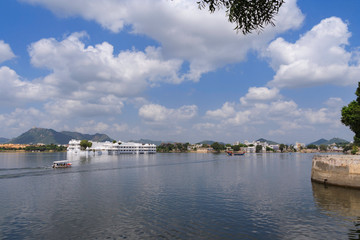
{"x": 174, "y": 196}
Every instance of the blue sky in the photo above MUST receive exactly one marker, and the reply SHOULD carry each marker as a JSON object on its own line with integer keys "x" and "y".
{"x": 165, "y": 70}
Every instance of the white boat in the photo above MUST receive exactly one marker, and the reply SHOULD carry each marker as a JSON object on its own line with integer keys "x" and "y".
{"x": 61, "y": 164}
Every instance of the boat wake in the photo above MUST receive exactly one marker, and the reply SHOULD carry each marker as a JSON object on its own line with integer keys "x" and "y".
{"x": 7, "y": 173}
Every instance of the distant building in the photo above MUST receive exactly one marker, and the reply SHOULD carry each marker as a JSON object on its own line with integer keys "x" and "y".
{"x": 298, "y": 146}
{"x": 111, "y": 148}
{"x": 275, "y": 147}
{"x": 252, "y": 148}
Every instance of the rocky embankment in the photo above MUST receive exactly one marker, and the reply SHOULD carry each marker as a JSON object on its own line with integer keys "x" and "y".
{"x": 341, "y": 170}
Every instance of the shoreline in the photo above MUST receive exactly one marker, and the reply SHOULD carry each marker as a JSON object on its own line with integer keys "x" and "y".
{"x": 222, "y": 152}
{"x": 24, "y": 151}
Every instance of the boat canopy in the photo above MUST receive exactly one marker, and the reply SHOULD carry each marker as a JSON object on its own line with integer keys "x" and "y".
{"x": 61, "y": 161}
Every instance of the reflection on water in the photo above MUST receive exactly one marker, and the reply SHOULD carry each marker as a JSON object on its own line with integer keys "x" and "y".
{"x": 341, "y": 202}
{"x": 354, "y": 233}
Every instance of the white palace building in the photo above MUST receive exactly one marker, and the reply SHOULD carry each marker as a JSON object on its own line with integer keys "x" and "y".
{"x": 111, "y": 147}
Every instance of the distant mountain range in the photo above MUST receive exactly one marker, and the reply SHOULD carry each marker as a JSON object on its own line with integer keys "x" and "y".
{"x": 147, "y": 141}
{"x": 49, "y": 136}
{"x": 209, "y": 142}
{"x": 318, "y": 142}
{"x": 323, "y": 141}
{"x": 268, "y": 141}
{"x": 4, "y": 140}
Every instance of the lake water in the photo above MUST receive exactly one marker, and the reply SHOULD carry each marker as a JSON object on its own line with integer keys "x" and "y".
{"x": 171, "y": 196}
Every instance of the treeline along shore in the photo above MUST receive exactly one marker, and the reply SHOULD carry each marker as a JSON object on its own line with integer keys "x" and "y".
{"x": 195, "y": 148}
{"x": 32, "y": 148}
{"x": 255, "y": 147}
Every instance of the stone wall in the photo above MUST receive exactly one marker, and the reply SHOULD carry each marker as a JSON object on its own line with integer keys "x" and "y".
{"x": 341, "y": 170}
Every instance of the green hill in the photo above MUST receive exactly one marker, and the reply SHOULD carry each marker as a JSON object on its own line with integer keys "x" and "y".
{"x": 323, "y": 141}
{"x": 49, "y": 136}
{"x": 96, "y": 137}
{"x": 319, "y": 142}
{"x": 337, "y": 141}
{"x": 41, "y": 135}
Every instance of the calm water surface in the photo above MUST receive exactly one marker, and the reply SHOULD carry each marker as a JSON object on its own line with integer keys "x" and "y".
{"x": 171, "y": 196}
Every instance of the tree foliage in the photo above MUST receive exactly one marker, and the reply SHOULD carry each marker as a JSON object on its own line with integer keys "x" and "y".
{"x": 84, "y": 144}
{"x": 36, "y": 148}
{"x": 269, "y": 149}
{"x": 172, "y": 147}
{"x": 350, "y": 116}
{"x": 312, "y": 146}
{"x": 258, "y": 148}
{"x": 217, "y": 146}
{"x": 347, "y": 148}
{"x": 354, "y": 150}
{"x": 282, "y": 147}
{"x": 42, "y": 148}
{"x": 236, "y": 147}
{"x": 248, "y": 15}
{"x": 323, "y": 147}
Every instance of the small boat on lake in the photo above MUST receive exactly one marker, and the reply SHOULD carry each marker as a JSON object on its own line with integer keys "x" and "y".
{"x": 231, "y": 153}
{"x": 239, "y": 153}
{"x": 61, "y": 164}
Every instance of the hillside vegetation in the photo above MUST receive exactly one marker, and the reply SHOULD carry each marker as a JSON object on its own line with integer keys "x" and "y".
{"x": 50, "y": 136}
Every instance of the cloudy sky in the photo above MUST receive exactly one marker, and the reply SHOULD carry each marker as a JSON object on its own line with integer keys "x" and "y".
{"x": 165, "y": 70}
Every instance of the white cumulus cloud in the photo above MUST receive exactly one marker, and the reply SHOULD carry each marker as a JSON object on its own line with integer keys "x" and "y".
{"x": 260, "y": 94}
{"x": 5, "y": 52}
{"x": 155, "y": 113}
{"x": 68, "y": 108}
{"x": 21, "y": 120}
{"x": 207, "y": 41}
{"x": 225, "y": 111}
{"x": 318, "y": 57}
{"x": 92, "y": 127}
{"x": 19, "y": 90}
{"x": 264, "y": 112}
{"x": 81, "y": 71}
{"x": 110, "y": 14}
